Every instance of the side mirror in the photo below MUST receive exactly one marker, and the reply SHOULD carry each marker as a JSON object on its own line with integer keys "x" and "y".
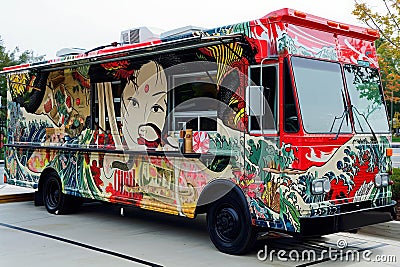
{"x": 254, "y": 100}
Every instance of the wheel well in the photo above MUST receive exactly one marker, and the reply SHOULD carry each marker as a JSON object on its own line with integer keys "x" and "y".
{"x": 216, "y": 190}
{"x": 42, "y": 179}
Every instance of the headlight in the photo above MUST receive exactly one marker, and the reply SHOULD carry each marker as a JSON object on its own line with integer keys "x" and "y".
{"x": 381, "y": 179}
{"x": 320, "y": 186}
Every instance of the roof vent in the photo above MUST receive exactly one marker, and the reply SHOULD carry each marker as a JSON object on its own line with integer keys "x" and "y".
{"x": 173, "y": 34}
{"x": 69, "y": 51}
{"x": 139, "y": 35}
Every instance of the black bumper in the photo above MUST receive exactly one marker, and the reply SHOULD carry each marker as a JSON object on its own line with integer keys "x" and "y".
{"x": 312, "y": 226}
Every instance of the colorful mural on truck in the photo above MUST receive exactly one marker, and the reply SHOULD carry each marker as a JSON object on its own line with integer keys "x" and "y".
{"x": 105, "y": 129}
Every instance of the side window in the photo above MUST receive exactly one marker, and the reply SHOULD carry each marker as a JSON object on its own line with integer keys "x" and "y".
{"x": 262, "y": 97}
{"x": 194, "y": 102}
{"x": 290, "y": 119}
{"x": 101, "y": 111}
{"x": 106, "y": 110}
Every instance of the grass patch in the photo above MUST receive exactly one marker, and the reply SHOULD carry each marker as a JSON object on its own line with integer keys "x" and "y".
{"x": 396, "y": 186}
{"x": 395, "y": 138}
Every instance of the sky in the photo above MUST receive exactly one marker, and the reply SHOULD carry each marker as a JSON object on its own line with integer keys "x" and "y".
{"x": 45, "y": 26}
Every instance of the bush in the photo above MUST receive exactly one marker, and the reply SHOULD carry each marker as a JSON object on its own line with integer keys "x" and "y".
{"x": 396, "y": 185}
{"x": 395, "y": 138}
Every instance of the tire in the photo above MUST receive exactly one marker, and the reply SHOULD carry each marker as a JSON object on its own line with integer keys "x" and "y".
{"x": 353, "y": 231}
{"x": 55, "y": 201}
{"x": 229, "y": 225}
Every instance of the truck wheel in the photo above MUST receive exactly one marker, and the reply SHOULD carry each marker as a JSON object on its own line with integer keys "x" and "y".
{"x": 55, "y": 201}
{"x": 229, "y": 225}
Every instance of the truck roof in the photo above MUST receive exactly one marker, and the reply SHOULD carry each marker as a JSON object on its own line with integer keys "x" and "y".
{"x": 190, "y": 40}
{"x": 298, "y": 17}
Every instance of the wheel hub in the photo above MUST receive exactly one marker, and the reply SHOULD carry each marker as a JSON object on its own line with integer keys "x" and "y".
{"x": 53, "y": 194}
{"x": 227, "y": 224}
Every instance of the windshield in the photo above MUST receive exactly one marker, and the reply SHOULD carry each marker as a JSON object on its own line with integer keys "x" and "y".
{"x": 367, "y": 100}
{"x": 320, "y": 91}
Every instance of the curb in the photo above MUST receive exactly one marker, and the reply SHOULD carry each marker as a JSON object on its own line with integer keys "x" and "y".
{"x": 16, "y": 197}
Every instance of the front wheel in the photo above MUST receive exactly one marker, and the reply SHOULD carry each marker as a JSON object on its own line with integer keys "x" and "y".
{"x": 229, "y": 225}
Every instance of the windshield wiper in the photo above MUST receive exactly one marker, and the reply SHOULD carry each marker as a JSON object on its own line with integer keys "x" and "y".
{"x": 344, "y": 115}
{"x": 353, "y": 108}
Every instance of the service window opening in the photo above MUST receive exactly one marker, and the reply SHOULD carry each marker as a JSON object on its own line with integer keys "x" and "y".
{"x": 194, "y": 102}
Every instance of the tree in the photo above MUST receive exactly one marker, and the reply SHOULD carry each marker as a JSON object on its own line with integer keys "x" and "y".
{"x": 388, "y": 46}
{"x": 10, "y": 58}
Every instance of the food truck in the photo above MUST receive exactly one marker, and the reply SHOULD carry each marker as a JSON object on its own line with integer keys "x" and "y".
{"x": 275, "y": 124}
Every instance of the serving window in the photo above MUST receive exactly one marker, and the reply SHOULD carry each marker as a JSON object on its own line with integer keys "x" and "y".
{"x": 106, "y": 107}
{"x": 193, "y": 102}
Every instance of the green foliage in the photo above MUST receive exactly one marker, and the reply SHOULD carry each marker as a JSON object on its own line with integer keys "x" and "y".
{"x": 388, "y": 46}
{"x": 396, "y": 185}
{"x": 10, "y": 58}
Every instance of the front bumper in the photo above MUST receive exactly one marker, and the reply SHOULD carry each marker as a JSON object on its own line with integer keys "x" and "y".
{"x": 315, "y": 226}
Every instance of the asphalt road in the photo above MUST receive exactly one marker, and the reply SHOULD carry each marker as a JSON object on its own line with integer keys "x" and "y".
{"x": 1, "y": 174}
{"x": 99, "y": 236}
{"x": 396, "y": 157}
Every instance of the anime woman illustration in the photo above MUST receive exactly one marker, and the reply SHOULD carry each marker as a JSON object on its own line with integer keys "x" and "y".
{"x": 144, "y": 106}
{"x": 143, "y": 113}
{"x": 142, "y": 92}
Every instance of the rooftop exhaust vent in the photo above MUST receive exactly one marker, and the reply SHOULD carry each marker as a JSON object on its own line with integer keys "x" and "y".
{"x": 139, "y": 35}
{"x": 181, "y": 31}
{"x": 69, "y": 51}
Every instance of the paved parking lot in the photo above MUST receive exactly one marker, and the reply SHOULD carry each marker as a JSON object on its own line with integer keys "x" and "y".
{"x": 1, "y": 173}
{"x": 396, "y": 155}
{"x": 100, "y": 236}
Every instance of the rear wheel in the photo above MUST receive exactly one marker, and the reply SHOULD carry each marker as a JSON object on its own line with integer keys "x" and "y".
{"x": 229, "y": 225}
{"x": 55, "y": 201}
